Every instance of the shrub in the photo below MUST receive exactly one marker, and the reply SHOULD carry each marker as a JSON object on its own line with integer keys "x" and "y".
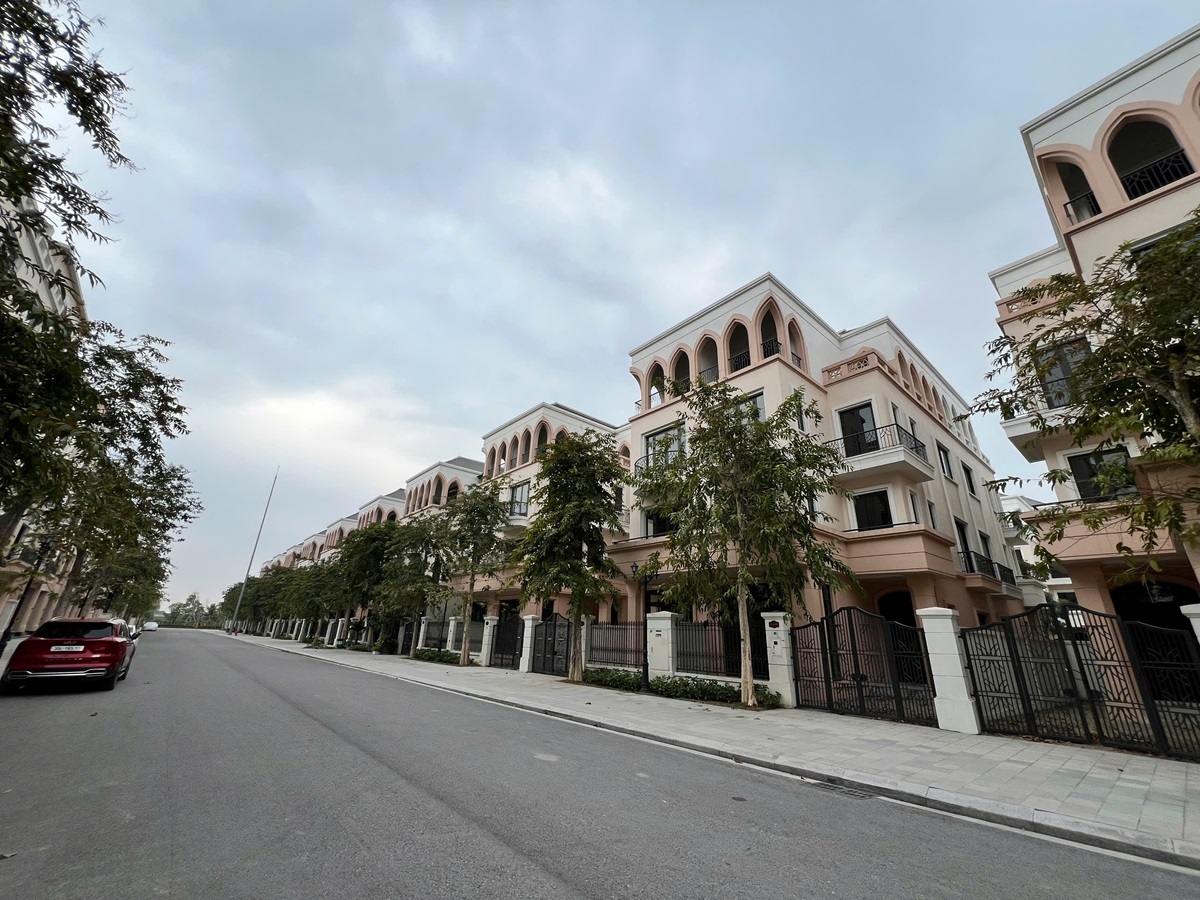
{"x": 387, "y": 645}
{"x": 316, "y": 643}
{"x": 690, "y": 688}
{"x": 613, "y": 678}
{"x": 356, "y": 645}
{"x": 449, "y": 657}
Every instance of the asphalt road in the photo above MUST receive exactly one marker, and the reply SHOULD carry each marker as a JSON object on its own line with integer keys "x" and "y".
{"x": 225, "y": 770}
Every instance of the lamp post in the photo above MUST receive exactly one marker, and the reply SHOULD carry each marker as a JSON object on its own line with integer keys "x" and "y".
{"x": 644, "y": 580}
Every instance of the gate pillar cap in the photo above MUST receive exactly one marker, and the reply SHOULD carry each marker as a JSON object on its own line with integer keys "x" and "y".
{"x": 532, "y": 618}
{"x": 1192, "y": 610}
{"x": 782, "y": 616}
{"x": 492, "y": 619}
{"x": 936, "y": 612}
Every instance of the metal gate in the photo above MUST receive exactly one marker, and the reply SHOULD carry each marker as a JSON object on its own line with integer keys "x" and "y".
{"x": 552, "y": 645}
{"x": 861, "y": 664}
{"x": 510, "y": 639}
{"x": 1075, "y": 674}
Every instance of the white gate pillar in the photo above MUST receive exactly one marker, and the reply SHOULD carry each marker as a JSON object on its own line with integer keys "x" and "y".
{"x": 585, "y": 638}
{"x": 953, "y": 700}
{"x": 782, "y": 677}
{"x": 454, "y": 631}
{"x": 1192, "y": 611}
{"x": 489, "y": 640}
{"x": 421, "y": 636}
{"x": 527, "y": 645}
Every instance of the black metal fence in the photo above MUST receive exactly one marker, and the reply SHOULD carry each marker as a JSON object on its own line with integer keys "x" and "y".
{"x": 714, "y": 648}
{"x": 435, "y": 634}
{"x": 1074, "y": 674}
{"x": 862, "y": 664}
{"x": 617, "y": 644}
{"x": 552, "y": 645}
{"x": 882, "y": 438}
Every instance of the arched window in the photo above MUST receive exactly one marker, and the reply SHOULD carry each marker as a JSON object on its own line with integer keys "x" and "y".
{"x": 562, "y": 433}
{"x": 916, "y": 382}
{"x": 391, "y": 516}
{"x": 525, "y": 439}
{"x": 769, "y": 334}
{"x": 625, "y": 454}
{"x": 543, "y": 436}
{"x": 706, "y": 360}
{"x": 452, "y": 491}
{"x": 340, "y": 536}
{"x": 513, "y": 450}
{"x": 926, "y": 391}
{"x": 378, "y": 514}
{"x": 1081, "y": 203}
{"x": 739, "y": 348}
{"x": 490, "y": 469}
{"x": 1146, "y": 156}
{"x": 796, "y": 345}
{"x": 502, "y": 458}
{"x": 658, "y": 382}
{"x": 681, "y": 372}
{"x": 903, "y": 364}
{"x": 437, "y": 491}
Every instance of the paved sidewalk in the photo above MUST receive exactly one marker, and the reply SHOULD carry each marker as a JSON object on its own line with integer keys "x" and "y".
{"x": 1142, "y": 805}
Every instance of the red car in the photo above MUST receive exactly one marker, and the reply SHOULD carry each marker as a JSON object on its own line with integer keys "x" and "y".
{"x": 98, "y": 650}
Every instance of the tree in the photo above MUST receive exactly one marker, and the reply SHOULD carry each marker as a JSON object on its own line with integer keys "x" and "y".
{"x": 741, "y": 492}
{"x": 412, "y": 576}
{"x": 1105, "y": 360}
{"x": 579, "y": 499}
{"x": 473, "y": 545}
{"x": 46, "y": 65}
{"x": 362, "y": 557}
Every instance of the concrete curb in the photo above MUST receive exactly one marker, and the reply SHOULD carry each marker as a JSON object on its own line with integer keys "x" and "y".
{"x": 1069, "y": 828}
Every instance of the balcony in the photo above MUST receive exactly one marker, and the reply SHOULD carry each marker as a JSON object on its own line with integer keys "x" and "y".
{"x": 739, "y": 361}
{"x": 1157, "y": 173}
{"x": 771, "y": 348}
{"x": 1081, "y": 208}
{"x": 974, "y": 563}
{"x": 1018, "y": 425}
{"x": 709, "y": 375}
{"x": 518, "y": 508}
{"x": 650, "y": 459}
{"x": 889, "y": 450}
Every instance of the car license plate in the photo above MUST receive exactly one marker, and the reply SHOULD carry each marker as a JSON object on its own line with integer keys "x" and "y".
{"x": 66, "y": 648}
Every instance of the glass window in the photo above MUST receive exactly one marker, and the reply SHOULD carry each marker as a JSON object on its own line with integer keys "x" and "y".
{"x": 947, "y": 464}
{"x": 74, "y": 630}
{"x": 858, "y": 430}
{"x": 518, "y": 499}
{"x": 985, "y": 545}
{"x": 663, "y": 443}
{"x": 915, "y": 504}
{"x": 872, "y": 510}
{"x": 1085, "y": 468}
{"x": 1057, "y": 364}
{"x": 759, "y": 406}
{"x": 968, "y": 477}
{"x": 932, "y": 515}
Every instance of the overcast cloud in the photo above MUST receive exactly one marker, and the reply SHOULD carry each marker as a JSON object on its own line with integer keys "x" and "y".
{"x": 376, "y": 230}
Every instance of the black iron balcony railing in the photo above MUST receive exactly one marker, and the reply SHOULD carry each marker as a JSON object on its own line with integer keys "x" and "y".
{"x": 650, "y": 459}
{"x": 881, "y": 438}
{"x": 797, "y": 361}
{"x": 1006, "y": 574}
{"x": 518, "y": 507}
{"x": 637, "y": 405}
{"x": 1081, "y": 208}
{"x": 710, "y": 374}
{"x": 739, "y": 361}
{"x": 978, "y": 564}
{"x": 771, "y": 348}
{"x": 1058, "y": 393}
{"x": 656, "y": 398}
{"x": 1157, "y": 173}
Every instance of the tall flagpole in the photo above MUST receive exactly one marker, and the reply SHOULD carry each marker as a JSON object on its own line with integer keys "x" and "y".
{"x": 250, "y": 565}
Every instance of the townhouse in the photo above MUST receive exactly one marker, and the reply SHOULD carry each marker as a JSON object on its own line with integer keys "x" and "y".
{"x": 1115, "y": 163}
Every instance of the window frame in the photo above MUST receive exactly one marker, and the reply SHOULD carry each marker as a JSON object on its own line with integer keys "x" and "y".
{"x": 945, "y": 460}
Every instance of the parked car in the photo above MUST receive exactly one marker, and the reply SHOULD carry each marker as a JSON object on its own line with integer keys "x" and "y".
{"x": 150, "y": 626}
{"x": 92, "y": 650}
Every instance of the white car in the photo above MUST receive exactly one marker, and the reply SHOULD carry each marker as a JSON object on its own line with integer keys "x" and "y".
{"x": 150, "y": 626}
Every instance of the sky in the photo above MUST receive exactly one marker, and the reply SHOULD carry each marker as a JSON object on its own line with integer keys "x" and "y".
{"x": 375, "y": 230}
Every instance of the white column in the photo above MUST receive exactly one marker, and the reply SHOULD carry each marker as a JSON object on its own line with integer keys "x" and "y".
{"x": 660, "y": 643}
{"x": 340, "y": 634}
{"x": 585, "y": 637}
{"x": 527, "y": 645}
{"x": 1192, "y": 611}
{"x": 489, "y": 640}
{"x": 453, "y": 631}
{"x": 421, "y": 636}
{"x": 954, "y": 698}
{"x": 779, "y": 656}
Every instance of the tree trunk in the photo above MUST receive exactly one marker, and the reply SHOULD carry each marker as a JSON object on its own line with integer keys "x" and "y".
{"x": 748, "y": 697}
{"x": 10, "y": 519}
{"x": 464, "y": 613}
{"x": 415, "y": 624}
{"x": 575, "y": 671}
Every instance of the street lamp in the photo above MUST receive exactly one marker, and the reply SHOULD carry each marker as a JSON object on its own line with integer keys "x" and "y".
{"x": 645, "y": 582}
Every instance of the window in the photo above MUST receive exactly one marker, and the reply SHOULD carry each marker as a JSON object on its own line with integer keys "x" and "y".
{"x": 757, "y": 405}
{"x": 800, "y": 421}
{"x": 858, "y": 430}
{"x": 896, "y": 415}
{"x": 964, "y": 542}
{"x": 968, "y": 477}
{"x": 1057, "y": 365}
{"x": 912, "y": 426}
{"x": 658, "y": 524}
{"x": 915, "y": 504}
{"x": 932, "y": 515}
{"x": 872, "y": 510}
{"x": 518, "y": 499}
{"x": 983, "y": 617}
{"x": 663, "y": 445}
{"x": 1087, "y": 469}
{"x": 1067, "y": 597}
{"x": 947, "y": 464}
{"x": 985, "y": 545}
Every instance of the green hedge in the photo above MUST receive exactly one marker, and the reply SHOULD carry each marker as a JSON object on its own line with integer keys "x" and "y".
{"x": 685, "y": 687}
{"x": 449, "y": 657}
{"x": 682, "y": 687}
{"x": 613, "y": 678}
